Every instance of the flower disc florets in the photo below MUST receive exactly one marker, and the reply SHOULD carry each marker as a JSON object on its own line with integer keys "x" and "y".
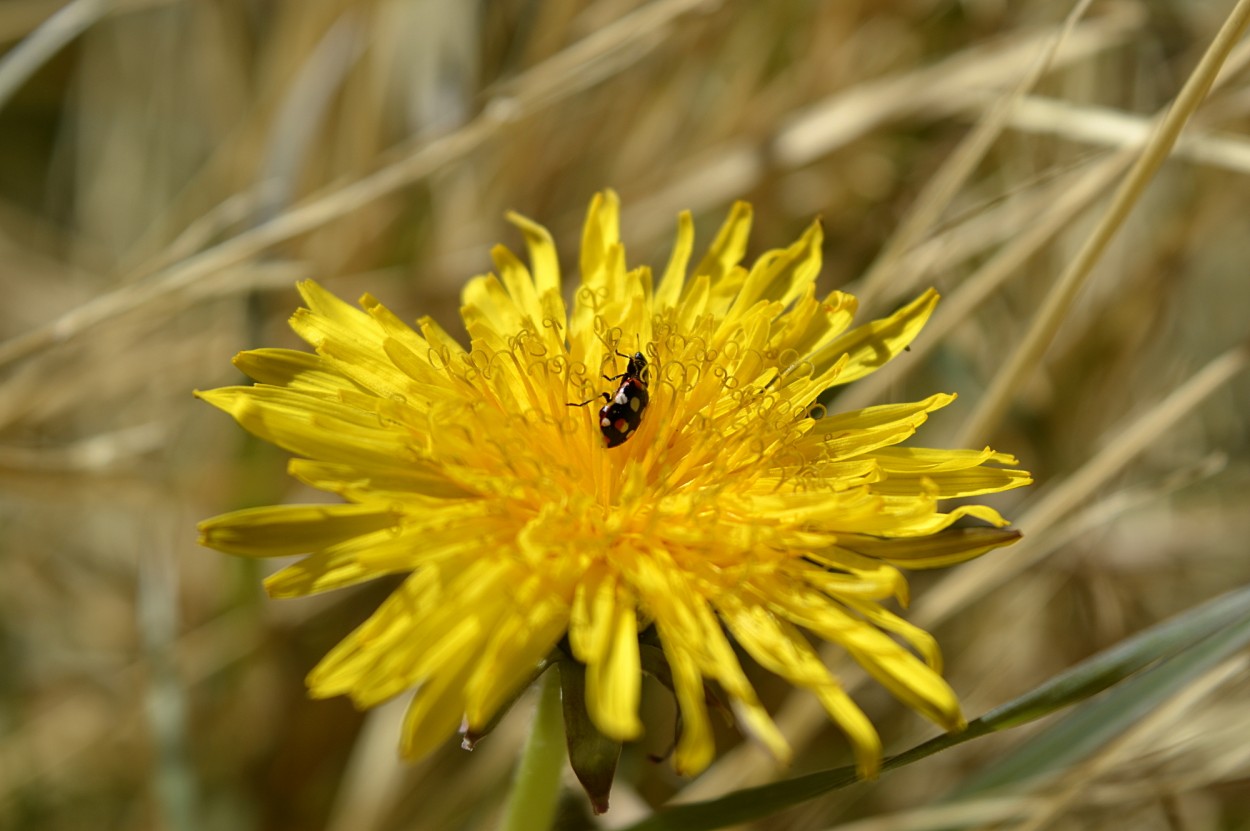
{"x": 737, "y": 512}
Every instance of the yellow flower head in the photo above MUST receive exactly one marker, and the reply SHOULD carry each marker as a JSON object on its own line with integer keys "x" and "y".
{"x": 735, "y": 512}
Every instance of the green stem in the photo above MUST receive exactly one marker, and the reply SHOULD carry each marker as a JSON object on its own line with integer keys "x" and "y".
{"x": 536, "y": 788}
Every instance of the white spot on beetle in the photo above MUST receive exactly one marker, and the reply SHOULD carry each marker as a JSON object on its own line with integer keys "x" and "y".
{"x": 635, "y": 403}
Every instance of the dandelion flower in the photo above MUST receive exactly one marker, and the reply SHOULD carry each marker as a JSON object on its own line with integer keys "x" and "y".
{"x": 734, "y": 513}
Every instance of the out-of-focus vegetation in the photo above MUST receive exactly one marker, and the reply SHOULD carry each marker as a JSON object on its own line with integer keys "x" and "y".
{"x": 169, "y": 169}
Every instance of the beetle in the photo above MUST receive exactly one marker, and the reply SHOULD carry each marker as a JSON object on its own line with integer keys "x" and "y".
{"x": 620, "y": 416}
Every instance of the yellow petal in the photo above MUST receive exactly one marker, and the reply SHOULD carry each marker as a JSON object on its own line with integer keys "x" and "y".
{"x": 916, "y": 459}
{"x": 350, "y": 661}
{"x": 601, "y": 235}
{"x": 879, "y": 583}
{"x": 723, "y": 665}
{"x": 872, "y": 345}
{"x": 675, "y": 274}
{"x": 544, "y": 262}
{"x": 861, "y": 431}
{"x": 487, "y": 308}
{"x": 896, "y": 669}
{"x": 725, "y": 252}
{"x": 334, "y": 312}
{"x": 313, "y": 427}
{"x": 917, "y": 638}
{"x": 953, "y": 484}
{"x": 695, "y": 746}
{"x": 513, "y": 653}
{"x": 283, "y": 530}
{"x": 614, "y": 676}
{"x": 520, "y": 285}
{"x": 302, "y": 371}
{"x": 782, "y": 278}
{"x": 436, "y": 711}
{"x": 946, "y": 548}
{"x": 588, "y": 623}
{"x": 358, "y": 483}
{"x": 780, "y": 648}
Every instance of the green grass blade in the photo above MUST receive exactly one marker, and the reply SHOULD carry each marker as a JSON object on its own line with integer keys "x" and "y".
{"x": 1124, "y": 659}
{"x": 1100, "y": 721}
{"x": 1193, "y": 640}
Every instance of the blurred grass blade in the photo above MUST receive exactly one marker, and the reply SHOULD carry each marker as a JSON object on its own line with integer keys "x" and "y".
{"x": 1187, "y": 644}
{"x": 33, "y": 52}
{"x": 1058, "y": 303}
{"x": 1095, "y": 674}
{"x": 1099, "y": 722}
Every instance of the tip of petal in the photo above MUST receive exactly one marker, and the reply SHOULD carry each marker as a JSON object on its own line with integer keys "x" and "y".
{"x": 621, "y": 728}
{"x": 815, "y": 233}
{"x": 309, "y": 289}
{"x": 753, "y": 721}
{"x": 221, "y": 398}
{"x": 868, "y": 766}
{"x": 693, "y": 758}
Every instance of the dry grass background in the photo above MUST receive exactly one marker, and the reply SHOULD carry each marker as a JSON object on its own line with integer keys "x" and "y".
{"x": 168, "y": 169}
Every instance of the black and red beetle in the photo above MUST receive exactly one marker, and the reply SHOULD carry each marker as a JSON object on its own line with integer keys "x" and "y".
{"x": 621, "y": 415}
